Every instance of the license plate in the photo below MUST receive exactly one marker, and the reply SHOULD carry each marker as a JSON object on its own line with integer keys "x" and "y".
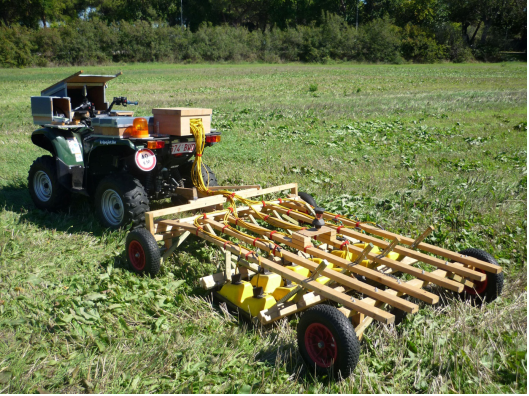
{"x": 182, "y": 148}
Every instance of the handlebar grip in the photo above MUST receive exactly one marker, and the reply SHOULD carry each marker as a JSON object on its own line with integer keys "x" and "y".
{"x": 133, "y": 103}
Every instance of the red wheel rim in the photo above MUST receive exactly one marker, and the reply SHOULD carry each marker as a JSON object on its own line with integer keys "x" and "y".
{"x": 479, "y": 287}
{"x": 137, "y": 255}
{"x": 320, "y": 345}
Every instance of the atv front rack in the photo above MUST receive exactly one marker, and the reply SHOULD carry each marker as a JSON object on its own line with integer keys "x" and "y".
{"x": 353, "y": 264}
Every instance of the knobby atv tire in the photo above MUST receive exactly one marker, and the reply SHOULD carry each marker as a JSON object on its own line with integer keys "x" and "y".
{"x": 134, "y": 199}
{"x": 51, "y": 195}
{"x": 489, "y": 289}
{"x": 328, "y": 320}
{"x": 308, "y": 198}
{"x": 143, "y": 254}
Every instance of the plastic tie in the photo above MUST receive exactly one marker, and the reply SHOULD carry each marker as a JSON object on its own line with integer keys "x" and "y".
{"x": 306, "y": 247}
{"x": 247, "y": 254}
{"x": 253, "y": 243}
{"x": 276, "y": 247}
{"x": 264, "y": 203}
{"x": 266, "y": 217}
{"x": 272, "y": 233}
{"x": 357, "y": 224}
{"x": 231, "y": 209}
{"x": 338, "y": 229}
{"x": 224, "y": 227}
{"x": 288, "y": 211}
{"x": 198, "y": 155}
{"x": 198, "y": 229}
{"x": 336, "y": 217}
{"x": 232, "y": 195}
{"x": 225, "y": 243}
{"x": 205, "y": 216}
{"x": 344, "y": 244}
{"x": 236, "y": 220}
{"x": 280, "y": 200}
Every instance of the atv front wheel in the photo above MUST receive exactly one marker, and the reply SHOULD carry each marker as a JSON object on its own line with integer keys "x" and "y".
{"x": 44, "y": 187}
{"x": 120, "y": 199}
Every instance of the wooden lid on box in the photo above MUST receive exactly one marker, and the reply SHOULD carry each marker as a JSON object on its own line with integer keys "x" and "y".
{"x": 183, "y": 111}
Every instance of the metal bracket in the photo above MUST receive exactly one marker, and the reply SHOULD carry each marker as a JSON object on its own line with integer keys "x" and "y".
{"x": 389, "y": 248}
{"x": 421, "y": 238}
{"x": 361, "y": 257}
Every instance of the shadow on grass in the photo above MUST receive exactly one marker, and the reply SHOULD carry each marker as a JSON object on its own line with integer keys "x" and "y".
{"x": 78, "y": 217}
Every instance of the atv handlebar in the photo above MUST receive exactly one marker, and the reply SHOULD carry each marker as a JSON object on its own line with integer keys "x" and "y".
{"x": 120, "y": 100}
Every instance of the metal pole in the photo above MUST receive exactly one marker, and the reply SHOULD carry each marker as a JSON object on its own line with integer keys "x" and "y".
{"x": 182, "y": 15}
{"x": 358, "y": 1}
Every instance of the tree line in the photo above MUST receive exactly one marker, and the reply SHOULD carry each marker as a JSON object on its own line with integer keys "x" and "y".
{"x": 47, "y": 32}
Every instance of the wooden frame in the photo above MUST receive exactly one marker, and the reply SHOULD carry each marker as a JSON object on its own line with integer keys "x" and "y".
{"x": 282, "y": 214}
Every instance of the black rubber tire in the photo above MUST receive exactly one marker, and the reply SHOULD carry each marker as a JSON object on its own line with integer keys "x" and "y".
{"x": 210, "y": 179}
{"x": 60, "y": 196}
{"x": 307, "y": 198}
{"x": 343, "y": 335}
{"x": 494, "y": 285}
{"x": 133, "y": 197}
{"x": 141, "y": 242}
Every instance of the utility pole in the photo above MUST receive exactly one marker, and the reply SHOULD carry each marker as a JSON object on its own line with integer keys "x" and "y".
{"x": 182, "y": 15}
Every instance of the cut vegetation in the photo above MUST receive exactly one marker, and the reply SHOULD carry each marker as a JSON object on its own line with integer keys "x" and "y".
{"x": 402, "y": 146}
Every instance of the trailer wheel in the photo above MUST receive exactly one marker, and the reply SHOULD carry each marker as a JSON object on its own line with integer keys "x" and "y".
{"x": 327, "y": 341}
{"x": 143, "y": 253}
{"x": 491, "y": 287}
{"x": 308, "y": 198}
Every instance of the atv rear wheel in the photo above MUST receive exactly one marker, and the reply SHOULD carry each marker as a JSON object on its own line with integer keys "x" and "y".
{"x": 44, "y": 187}
{"x": 120, "y": 199}
{"x": 209, "y": 177}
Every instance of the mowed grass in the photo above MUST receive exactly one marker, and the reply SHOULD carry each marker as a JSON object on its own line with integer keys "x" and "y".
{"x": 406, "y": 146}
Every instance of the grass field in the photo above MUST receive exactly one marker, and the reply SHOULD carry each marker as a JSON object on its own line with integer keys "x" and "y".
{"x": 406, "y": 146}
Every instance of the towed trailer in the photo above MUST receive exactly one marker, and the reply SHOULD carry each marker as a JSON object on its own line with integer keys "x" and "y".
{"x": 286, "y": 255}
{"x": 290, "y": 255}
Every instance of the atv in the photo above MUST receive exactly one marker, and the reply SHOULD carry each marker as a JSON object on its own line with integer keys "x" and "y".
{"x": 122, "y": 162}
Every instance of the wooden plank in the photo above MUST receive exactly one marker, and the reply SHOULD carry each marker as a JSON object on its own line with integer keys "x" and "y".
{"x": 219, "y": 199}
{"x": 149, "y": 222}
{"x": 314, "y": 286}
{"x": 235, "y": 188}
{"x": 451, "y": 267}
{"x": 336, "y": 276}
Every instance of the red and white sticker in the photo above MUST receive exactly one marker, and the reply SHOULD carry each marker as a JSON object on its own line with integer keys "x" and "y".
{"x": 145, "y": 159}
